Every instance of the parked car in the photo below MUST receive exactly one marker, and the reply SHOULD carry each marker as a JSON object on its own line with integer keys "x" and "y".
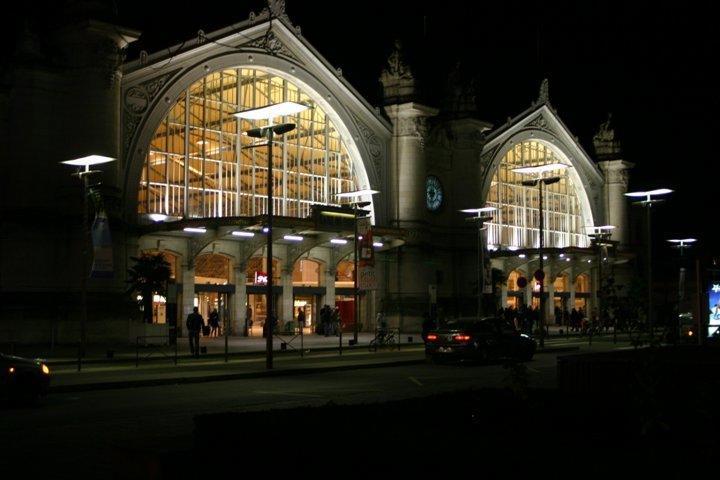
{"x": 478, "y": 339}
{"x": 23, "y": 379}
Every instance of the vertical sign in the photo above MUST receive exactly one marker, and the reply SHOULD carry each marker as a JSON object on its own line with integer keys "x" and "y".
{"x": 102, "y": 266}
{"x": 366, "y": 258}
{"x": 714, "y": 304}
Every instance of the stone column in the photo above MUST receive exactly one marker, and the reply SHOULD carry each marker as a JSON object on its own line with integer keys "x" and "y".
{"x": 239, "y": 300}
{"x": 188, "y": 290}
{"x": 330, "y": 273}
{"x": 550, "y": 302}
{"x": 503, "y": 295}
{"x": 616, "y": 203}
{"x": 286, "y": 308}
{"x": 571, "y": 288}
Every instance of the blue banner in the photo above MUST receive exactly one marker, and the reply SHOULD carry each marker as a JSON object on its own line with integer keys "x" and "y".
{"x": 102, "y": 266}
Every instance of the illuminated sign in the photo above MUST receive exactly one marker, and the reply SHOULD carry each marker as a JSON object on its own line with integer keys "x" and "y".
{"x": 261, "y": 278}
{"x": 714, "y": 304}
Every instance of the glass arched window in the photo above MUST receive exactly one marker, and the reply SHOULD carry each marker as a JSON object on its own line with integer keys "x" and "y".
{"x": 516, "y": 222}
{"x": 200, "y": 165}
{"x": 306, "y": 273}
{"x": 212, "y": 269}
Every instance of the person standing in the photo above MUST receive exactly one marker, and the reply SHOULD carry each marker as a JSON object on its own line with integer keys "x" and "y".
{"x": 194, "y": 324}
{"x": 214, "y": 321}
{"x": 301, "y": 318}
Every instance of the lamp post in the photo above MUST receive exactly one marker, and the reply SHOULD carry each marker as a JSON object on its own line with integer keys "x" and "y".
{"x": 269, "y": 131}
{"x": 83, "y": 175}
{"x": 600, "y": 236}
{"x": 355, "y": 205}
{"x": 539, "y": 182}
{"x": 681, "y": 244}
{"x": 480, "y": 219}
{"x": 648, "y": 203}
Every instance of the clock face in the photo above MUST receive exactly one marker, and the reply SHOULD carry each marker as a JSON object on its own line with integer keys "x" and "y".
{"x": 433, "y": 193}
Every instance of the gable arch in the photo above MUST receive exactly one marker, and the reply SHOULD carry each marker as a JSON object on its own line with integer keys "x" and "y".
{"x": 580, "y": 180}
{"x": 366, "y": 150}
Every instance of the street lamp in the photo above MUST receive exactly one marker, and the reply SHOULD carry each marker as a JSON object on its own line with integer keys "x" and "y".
{"x": 539, "y": 182}
{"x": 356, "y": 205}
{"x": 268, "y": 113}
{"x": 681, "y": 244}
{"x": 600, "y": 236}
{"x": 83, "y": 174}
{"x": 480, "y": 219}
{"x": 648, "y": 203}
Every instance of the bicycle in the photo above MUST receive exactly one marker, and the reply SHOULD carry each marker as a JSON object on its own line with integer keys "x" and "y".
{"x": 382, "y": 339}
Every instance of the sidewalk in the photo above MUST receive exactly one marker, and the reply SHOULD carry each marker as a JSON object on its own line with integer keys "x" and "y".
{"x": 156, "y": 365}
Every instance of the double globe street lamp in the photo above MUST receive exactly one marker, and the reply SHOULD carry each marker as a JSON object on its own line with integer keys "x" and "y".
{"x": 83, "y": 174}
{"x": 537, "y": 171}
{"x": 647, "y": 204}
{"x": 480, "y": 219}
{"x": 356, "y": 205}
{"x": 268, "y": 113}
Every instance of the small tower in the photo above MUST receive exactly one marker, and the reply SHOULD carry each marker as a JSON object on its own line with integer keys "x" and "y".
{"x": 616, "y": 172}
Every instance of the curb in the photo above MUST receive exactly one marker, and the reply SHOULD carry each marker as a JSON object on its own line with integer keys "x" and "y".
{"x": 124, "y": 384}
{"x": 218, "y": 355}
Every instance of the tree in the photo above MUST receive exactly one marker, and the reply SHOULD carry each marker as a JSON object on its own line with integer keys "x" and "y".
{"x": 148, "y": 277}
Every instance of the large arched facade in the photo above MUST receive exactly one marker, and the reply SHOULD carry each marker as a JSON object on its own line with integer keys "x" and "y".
{"x": 200, "y": 165}
{"x": 186, "y": 162}
{"x": 516, "y": 220}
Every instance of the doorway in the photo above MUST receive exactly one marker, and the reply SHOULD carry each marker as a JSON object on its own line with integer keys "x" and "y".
{"x": 207, "y": 302}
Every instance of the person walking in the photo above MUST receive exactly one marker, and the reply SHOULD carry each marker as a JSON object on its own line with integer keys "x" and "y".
{"x": 194, "y": 324}
{"x": 214, "y": 321}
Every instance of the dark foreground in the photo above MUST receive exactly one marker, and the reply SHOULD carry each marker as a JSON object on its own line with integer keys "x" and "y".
{"x": 654, "y": 426}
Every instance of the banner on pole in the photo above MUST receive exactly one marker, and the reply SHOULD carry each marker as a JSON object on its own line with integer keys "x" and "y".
{"x": 367, "y": 280}
{"x": 102, "y": 266}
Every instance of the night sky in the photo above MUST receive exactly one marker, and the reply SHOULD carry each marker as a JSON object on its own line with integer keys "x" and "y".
{"x": 647, "y": 62}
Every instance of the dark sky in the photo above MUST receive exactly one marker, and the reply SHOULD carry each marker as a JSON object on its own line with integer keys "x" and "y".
{"x": 647, "y": 62}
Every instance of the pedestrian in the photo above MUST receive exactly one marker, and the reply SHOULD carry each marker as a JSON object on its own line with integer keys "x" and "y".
{"x": 336, "y": 321}
{"x": 194, "y": 324}
{"x": 214, "y": 321}
{"x": 248, "y": 321}
{"x": 301, "y": 318}
{"x": 427, "y": 325}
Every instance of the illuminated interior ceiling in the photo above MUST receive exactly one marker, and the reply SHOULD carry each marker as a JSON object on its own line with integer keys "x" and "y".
{"x": 212, "y": 266}
{"x": 199, "y": 164}
{"x": 516, "y": 222}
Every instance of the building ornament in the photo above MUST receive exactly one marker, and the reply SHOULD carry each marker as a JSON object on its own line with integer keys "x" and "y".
{"x": 137, "y": 101}
{"x": 617, "y": 176}
{"x": 544, "y": 93}
{"x": 397, "y": 78}
{"x": 373, "y": 144}
{"x": 606, "y": 146}
{"x": 272, "y": 45}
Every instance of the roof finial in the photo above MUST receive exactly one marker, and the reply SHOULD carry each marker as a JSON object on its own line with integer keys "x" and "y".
{"x": 544, "y": 94}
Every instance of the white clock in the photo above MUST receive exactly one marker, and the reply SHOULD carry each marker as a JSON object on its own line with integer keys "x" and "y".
{"x": 433, "y": 193}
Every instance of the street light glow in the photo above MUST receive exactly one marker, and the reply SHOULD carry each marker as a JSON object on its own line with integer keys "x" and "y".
{"x": 293, "y": 238}
{"x": 338, "y": 241}
{"x": 195, "y": 229}
{"x": 658, "y": 191}
{"x": 88, "y": 161}
{"x": 479, "y": 210}
{"x": 357, "y": 193}
{"x": 242, "y": 233}
{"x": 272, "y": 111}
{"x": 682, "y": 241}
{"x": 538, "y": 169}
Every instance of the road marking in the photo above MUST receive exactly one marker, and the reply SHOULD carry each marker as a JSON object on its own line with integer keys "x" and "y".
{"x": 415, "y": 381}
{"x": 289, "y": 394}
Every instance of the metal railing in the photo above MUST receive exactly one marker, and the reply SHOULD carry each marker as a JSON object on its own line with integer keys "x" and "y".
{"x": 153, "y": 348}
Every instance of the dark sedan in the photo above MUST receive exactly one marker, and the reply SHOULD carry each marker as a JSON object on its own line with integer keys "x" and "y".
{"x": 23, "y": 379}
{"x": 483, "y": 339}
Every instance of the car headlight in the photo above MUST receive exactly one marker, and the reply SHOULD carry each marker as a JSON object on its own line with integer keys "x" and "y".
{"x": 45, "y": 369}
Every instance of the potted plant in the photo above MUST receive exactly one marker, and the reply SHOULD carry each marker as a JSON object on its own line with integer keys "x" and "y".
{"x": 148, "y": 277}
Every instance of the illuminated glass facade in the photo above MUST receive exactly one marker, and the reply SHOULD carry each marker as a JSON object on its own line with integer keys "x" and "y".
{"x": 516, "y": 223}
{"x": 200, "y": 165}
